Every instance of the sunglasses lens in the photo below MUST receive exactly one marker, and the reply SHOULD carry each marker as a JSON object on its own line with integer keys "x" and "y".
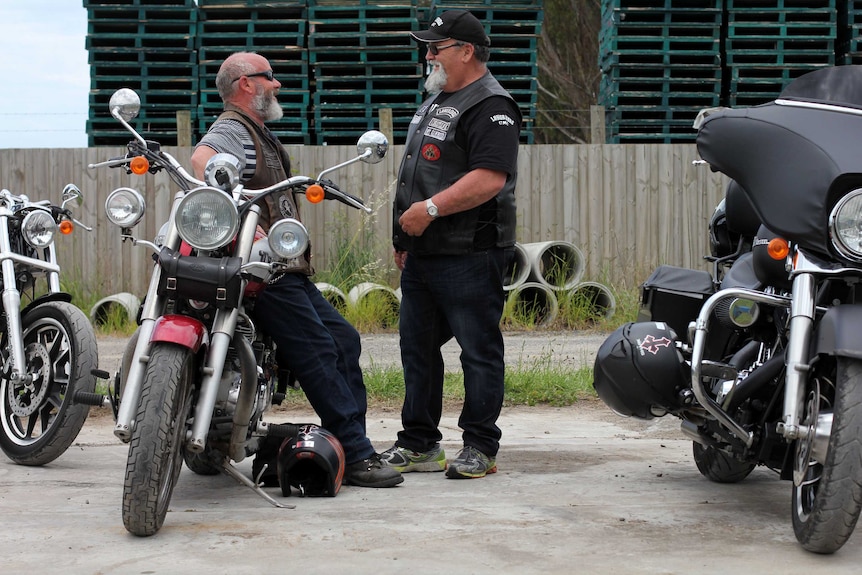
{"x": 433, "y": 49}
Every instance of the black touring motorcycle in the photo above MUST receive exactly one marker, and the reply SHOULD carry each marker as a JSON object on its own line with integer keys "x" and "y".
{"x": 766, "y": 367}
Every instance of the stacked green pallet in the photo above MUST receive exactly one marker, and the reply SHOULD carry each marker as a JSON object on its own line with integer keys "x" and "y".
{"x": 146, "y": 45}
{"x": 362, "y": 61}
{"x": 275, "y": 29}
{"x": 661, "y": 64}
{"x": 849, "y": 47}
{"x": 771, "y": 42}
{"x": 514, "y": 27}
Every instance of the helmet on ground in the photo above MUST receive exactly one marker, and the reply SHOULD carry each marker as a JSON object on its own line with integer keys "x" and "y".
{"x": 639, "y": 372}
{"x": 312, "y": 462}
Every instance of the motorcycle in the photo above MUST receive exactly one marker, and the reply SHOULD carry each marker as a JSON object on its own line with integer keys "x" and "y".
{"x": 770, "y": 373}
{"x": 197, "y": 376}
{"x": 47, "y": 346}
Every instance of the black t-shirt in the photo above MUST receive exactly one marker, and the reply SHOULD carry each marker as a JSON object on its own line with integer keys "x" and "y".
{"x": 489, "y": 131}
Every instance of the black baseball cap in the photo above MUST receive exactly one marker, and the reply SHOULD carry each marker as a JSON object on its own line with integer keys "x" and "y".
{"x": 456, "y": 24}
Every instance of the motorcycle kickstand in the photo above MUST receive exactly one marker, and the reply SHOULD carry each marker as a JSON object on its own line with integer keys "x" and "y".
{"x": 228, "y": 469}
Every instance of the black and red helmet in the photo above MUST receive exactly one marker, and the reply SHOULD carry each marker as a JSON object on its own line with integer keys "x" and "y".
{"x": 312, "y": 462}
{"x": 639, "y": 372}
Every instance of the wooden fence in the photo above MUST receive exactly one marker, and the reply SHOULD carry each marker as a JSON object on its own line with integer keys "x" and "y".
{"x": 627, "y": 207}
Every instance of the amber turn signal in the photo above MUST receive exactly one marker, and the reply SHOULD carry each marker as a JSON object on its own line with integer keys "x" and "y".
{"x": 778, "y": 248}
{"x": 66, "y": 227}
{"x": 314, "y": 193}
{"x": 139, "y": 165}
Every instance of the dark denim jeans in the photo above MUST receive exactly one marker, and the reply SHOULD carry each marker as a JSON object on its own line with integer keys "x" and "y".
{"x": 462, "y": 297}
{"x": 322, "y": 350}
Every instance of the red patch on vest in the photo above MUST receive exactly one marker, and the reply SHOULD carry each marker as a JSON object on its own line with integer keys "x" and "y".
{"x": 431, "y": 152}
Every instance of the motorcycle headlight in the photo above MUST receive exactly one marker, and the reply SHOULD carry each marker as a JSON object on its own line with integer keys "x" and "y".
{"x": 845, "y": 225}
{"x": 288, "y": 238}
{"x": 38, "y": 228}
{"x": 206, "y": 218}
{"x": 125, "y": 207}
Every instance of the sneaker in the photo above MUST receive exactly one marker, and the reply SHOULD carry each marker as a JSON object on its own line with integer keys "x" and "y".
{"x": 404, "y": 460}
{"x": 371, "y": 472}
{"x": 470, "y": 464}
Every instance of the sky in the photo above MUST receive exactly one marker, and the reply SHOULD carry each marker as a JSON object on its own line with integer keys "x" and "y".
{"x": 44, "y": 91}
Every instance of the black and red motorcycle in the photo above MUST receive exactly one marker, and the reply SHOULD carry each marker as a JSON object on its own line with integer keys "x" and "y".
{"x": 197, "y": 376}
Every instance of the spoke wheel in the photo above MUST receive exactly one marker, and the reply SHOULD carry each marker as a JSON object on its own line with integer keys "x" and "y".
{"x": 38, "y": 417}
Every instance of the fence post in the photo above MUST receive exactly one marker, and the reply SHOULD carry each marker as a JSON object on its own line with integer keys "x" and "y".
{"x": 597, "y": 124}
{"x": 385, "y": 123}
{"x": 184, "y": 128}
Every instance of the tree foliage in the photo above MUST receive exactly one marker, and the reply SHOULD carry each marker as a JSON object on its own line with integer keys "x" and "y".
{"x": 568, "y": 70}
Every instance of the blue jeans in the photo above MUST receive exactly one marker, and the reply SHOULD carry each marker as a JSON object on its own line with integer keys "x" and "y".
{"x": 322, "y": 350}
{"x": 443, "y": 297}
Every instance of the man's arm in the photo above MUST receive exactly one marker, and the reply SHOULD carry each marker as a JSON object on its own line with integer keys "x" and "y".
{"x": 200, "y": 157}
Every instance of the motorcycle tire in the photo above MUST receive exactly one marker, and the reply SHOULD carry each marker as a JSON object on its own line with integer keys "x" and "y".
{"x": 206, "y": 463}
{"x": 827, "y": 504}
{"x": 156, "y": 446}
{"x": 40, "y": 420}
{"x": 718, "y": 466}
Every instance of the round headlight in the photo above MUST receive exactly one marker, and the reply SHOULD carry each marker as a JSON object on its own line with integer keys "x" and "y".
{"x": 125, "y": 207}
{"x": 207, "y": 218}
{"x": 288, "y": 238}
{"x": 845, "y": 225}
{"x": 38, "y": 228}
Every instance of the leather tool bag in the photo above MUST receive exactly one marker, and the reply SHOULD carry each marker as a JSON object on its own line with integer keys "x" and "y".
{"x": 213, "y": 280}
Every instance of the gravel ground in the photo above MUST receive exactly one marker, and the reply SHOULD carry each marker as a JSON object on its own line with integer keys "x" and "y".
{"x": 565, "y": 348}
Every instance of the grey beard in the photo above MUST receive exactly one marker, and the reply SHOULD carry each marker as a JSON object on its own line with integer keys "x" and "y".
{"x": 267, "y": 106}
{"x": 436, "y": 80}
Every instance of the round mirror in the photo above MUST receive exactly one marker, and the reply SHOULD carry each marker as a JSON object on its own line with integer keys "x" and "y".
{"x": 376, "y": 142}
{"x": 125, "y": 104}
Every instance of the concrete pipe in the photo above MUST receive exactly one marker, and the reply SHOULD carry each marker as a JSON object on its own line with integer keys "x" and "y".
{"x": 558, "y": 265}
{"x": 125, "y": 302}
{"x": 383, "y": 301}
{"x": 595, "y": 298}
{"x": 534, "y": 303}
{"x": 519, "y": 270}
{"x": 333, "y": 295}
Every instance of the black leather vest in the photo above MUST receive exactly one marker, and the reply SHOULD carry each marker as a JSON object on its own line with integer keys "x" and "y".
{"x": 433, "y": 161}
{"x": 273, "y": 166}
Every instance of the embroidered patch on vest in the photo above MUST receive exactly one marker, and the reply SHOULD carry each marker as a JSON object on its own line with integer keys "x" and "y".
{"x": 431, "y": 152}
{"x": 284, "y": 206}
{"x": 448, "y": 111}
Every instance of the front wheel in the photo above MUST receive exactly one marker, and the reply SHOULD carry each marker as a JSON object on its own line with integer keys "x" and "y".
{"x": 156, "y": 446}
{"x": 39, "y": 419}
{"x": 828, "y": 499}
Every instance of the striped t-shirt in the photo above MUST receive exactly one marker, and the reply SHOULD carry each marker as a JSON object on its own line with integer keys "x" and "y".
{"x": 231, "y": 137}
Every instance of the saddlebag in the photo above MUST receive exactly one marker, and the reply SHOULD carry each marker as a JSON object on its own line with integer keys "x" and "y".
{"x": 674, "y": 295}
{"x": 212, "y": 280}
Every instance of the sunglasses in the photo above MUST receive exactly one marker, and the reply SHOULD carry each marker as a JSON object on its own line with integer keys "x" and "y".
{"x": 267, "y": 74}
{"x": 435, "y": 49}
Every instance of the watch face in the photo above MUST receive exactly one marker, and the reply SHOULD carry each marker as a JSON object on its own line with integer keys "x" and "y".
{"x": 431, "y": 209}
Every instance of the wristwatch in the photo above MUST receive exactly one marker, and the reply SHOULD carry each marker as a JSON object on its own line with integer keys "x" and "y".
{"x": 431, "y": 209}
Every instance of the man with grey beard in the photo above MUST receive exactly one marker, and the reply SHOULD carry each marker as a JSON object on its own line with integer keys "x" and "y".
{"x": 319, "y": 347}
{"x": 453, "y": 231}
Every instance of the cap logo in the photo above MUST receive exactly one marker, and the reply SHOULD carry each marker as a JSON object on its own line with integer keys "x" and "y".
{"x": 438, "y": 21}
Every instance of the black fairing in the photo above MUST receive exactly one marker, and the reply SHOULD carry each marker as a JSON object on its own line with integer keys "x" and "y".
{"x": 793, "y": 161}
